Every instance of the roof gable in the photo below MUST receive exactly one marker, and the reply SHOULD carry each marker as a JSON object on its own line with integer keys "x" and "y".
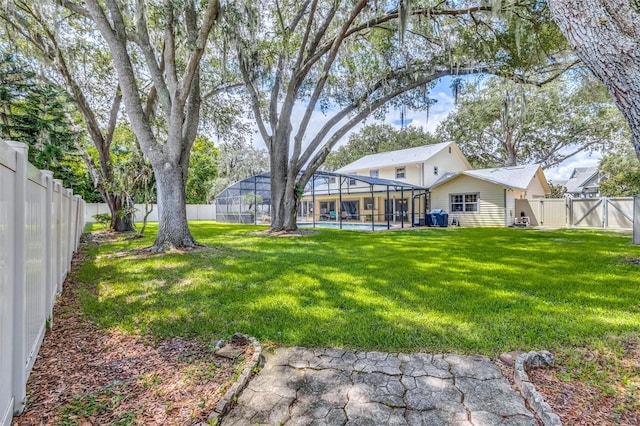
{"x": 394, "y": 158}
{"x": 580, "y": 177}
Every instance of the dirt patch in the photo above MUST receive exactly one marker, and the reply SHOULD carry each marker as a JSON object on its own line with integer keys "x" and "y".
{"x": 296, "y": 233}
{"x": 87, "y": 376}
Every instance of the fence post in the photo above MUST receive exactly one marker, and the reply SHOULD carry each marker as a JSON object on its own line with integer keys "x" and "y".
{"x": 49, "y": 269}
{"x": 59, "y": 255}
{"x": 636, "y": 219}
{"x": 570, "y": 204}
{"x": 78, "y": 221}
{"x": 70, "y": 231}
{"x": 19, "y": 301}
{"x": 605, "y": 213}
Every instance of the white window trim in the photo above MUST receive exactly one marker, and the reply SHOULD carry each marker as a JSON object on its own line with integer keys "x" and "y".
{"x": 374, "y": 173}
{"x": 464, "y": 203}
{"x": 401, "y": 170}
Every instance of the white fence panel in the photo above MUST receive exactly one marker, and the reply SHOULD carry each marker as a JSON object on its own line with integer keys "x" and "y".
{"x": 35, "y": 277}
{"x": 40, "y": 226}
{"x": 7, "y": 197}
{"x": 607, "y": 213}
{"x": 587, "y": 213}
{"x": 619, "y": 213}
{"x": 554, "y": 212}
{"x": 194, "y": 212}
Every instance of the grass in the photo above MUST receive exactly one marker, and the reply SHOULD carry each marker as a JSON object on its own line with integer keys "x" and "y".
{"x": 461, "y": 290}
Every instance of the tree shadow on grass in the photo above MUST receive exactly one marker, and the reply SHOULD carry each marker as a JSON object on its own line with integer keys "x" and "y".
{"x": 478, "y": 291}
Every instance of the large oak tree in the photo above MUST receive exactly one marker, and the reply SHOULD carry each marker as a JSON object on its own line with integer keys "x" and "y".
{"x": 606, "y": 36}
{"x": 499, "y": 122}
{"x": 164, "y": 41}
{"x": 344, "y": 61}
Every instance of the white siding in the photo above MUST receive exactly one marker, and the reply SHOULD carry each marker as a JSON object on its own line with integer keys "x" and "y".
{"x": 422, "y": 173}
{"x": 535, "y": 188}
{"x": 447, "y": 162}
{"x": 491, "y": 201}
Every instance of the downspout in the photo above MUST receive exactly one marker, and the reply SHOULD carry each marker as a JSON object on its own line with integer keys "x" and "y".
{"x": 505, "y": 208}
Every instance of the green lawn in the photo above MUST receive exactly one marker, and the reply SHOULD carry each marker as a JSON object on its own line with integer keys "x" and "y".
{"x": 455, "y": 290}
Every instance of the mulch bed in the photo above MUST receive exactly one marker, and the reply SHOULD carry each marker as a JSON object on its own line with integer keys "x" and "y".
{"x": 87, "y": 376}
{"x": 579, "y": 403}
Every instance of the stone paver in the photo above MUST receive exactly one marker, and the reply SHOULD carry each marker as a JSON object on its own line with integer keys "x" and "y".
{"x": 300, "y": 386}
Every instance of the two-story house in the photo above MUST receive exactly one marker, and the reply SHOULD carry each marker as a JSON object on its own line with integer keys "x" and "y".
{"x": 385, "y": 186}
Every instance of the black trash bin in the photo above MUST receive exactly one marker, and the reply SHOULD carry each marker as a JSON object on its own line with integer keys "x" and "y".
{"x": 438, "y": 217}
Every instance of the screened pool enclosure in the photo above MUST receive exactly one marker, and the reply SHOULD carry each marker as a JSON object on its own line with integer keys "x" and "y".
{"x": 330, "y": 199}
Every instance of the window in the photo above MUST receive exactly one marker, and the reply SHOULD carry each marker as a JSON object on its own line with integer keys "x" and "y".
{"x": 373, "y": 173}
{"x": 400, "y": 173}
{"x": 435, "y": 170}
{"x": 332, "y": 180}
{"x": 352, "y": 181}
{"x": 464, "y": 202}
{"x": 369, "y": 203}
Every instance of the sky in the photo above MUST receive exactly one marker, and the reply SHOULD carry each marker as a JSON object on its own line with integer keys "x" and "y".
{"x": 443, "y": 94}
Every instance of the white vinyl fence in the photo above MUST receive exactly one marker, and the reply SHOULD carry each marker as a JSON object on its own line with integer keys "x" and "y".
{"x": 605, "y": 213}
{"x": 40, "y": 227}
{"x": 194, "y": 212}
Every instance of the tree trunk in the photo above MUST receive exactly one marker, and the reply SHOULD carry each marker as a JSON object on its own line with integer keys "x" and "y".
{"x": 173, "y": 228}
{"x": 119, "y": 222}
{"x": 121, "y": 219}
{"x": 278, "y": 163}
{"x": 606, "y": 36}
{"x": 510, "y": 150}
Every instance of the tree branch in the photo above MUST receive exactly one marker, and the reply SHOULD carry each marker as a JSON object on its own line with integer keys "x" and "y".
{"x": 210, "y": 16}
{"x": 316, "y": 143}
{"x": 155, "y": 70}
{"x": 255, "y": 99}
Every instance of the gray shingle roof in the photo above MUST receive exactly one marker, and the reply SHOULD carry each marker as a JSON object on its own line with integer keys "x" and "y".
{"x": 513, "y": 177}
{"x": 580, "y": 177}
{"x": 393, "y": 158}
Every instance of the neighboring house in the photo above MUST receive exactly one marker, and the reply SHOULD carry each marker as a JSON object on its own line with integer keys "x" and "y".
{"x": 382, "y": 186}
{"x": 584, "y": 182}
{"x": 486, "y": 197}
